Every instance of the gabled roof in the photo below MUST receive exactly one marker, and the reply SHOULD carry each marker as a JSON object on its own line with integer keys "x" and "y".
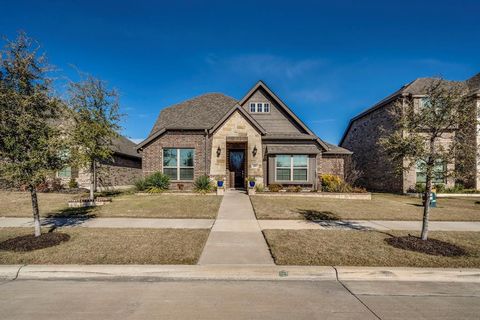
{"x": 261, "y": 84}
{"x": 201, "y": 112}
{"x": 474, "y": 84}
{"x": 209, "y": 111}
{"x": 245, "y": 114}
{"x": 122, "y": 145}
{"x": 416, "y": 87}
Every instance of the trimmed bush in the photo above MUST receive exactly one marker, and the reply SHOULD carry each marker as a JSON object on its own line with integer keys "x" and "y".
{"x": 274, "y": 187}
{"x": 203, "y": 184}
{"x": 331, "y": 182}
{"x": 73, "y": 184}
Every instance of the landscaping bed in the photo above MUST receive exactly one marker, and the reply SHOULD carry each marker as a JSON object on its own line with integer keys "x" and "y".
{"x": 383, "y": 206}
{"x": 324, "y": 195}
{"x": 367, "y": 248}
{"x": 111, "y": 246}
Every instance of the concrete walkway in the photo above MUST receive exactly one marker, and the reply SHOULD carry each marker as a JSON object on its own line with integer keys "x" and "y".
{"x": 236, "y": 237}
{"x": 111, "y": 223}
{"x": 383, "y": 225}
{"x": 225, "y": 223}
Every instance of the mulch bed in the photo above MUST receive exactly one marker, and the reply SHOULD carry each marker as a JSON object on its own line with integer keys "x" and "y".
{"x": 429, "y": 246}
{"x": 30, "y": 242}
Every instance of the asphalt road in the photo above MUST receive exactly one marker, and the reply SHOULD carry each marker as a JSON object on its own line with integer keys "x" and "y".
{"x": 60, "y": 299}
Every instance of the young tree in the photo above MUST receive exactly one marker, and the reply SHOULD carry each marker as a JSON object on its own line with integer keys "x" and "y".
{"x": 30, "y": 143}
{"x": 421, "y": 132}
{"x": 96, "y": 117}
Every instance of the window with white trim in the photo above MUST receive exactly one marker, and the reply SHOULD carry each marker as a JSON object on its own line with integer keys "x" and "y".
{"x": 178, "y": 163}
{"x": 438, "y": 172}
{"x": 259, "y": 107}
{"x": 291, "y": 168}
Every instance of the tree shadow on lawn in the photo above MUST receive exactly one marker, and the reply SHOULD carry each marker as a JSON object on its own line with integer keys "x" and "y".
{"x": 69, "y": 217}
{"x": 328, "y": 219}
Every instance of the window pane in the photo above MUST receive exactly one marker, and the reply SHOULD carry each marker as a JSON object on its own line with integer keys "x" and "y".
{"x": 65, "y": 172}
{"x": 259, "y": 107}
{"x": 421, "y": 177}
{"x": 186, "y": 157}
{"x": 169, "y": 157}
{"x": 186, "y": 173}
{"x": 299, "y": 174}
{"x": 300, "y": 161}
{"x": 283, "y": 174}
{"x": 266, "y": 107}
{"x": 283, "y": 161}
{"x": 252, "y": 107}
{"x": 171, "y": 173}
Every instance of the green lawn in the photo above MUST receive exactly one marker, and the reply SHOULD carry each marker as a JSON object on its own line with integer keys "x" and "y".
{"x": 113, "y": 246}
{"x": 364, "y": 248}
{"x": 381, "y": 207}
{"x": 18, "y": 204}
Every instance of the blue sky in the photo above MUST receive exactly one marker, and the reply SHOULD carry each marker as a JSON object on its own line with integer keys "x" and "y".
{"x": 328, "y": 60}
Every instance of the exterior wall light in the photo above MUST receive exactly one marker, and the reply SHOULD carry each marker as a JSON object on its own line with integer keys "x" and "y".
{"x": 254, "y": 151}
{"x": 219, "y": 151}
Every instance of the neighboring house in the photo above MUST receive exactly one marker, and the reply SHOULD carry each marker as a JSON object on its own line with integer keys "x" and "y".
{"x": 257, "y": 136}
{"x": 123, "y": 170}
{"x": 364, "y": 131}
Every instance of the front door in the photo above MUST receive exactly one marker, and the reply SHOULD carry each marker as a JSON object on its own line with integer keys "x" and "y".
{"x": 237, "y": 168}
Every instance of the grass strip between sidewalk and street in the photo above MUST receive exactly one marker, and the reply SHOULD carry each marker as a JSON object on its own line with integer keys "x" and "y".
{"x": 365, "y": 248}
{"x": 112, "y": 246}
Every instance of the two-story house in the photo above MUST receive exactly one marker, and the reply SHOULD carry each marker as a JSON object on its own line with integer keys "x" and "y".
{"x": 365, "y": 130}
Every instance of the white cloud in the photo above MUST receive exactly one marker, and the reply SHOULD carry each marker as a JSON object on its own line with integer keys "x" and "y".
{"x": 266, "y": 65}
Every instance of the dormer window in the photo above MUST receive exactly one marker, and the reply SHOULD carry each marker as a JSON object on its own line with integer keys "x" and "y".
{"x": 259, "y": 107}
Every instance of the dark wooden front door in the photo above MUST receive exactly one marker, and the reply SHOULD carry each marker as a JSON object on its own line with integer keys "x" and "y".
{"x": 237, "y": 168}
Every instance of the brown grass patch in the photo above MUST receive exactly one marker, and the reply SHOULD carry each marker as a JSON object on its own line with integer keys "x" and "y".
{"x": 18, "y": 204}
{"x": 113, "y": 246}
{"x": 366, "y": 248}
{"x": 381, "y": 207}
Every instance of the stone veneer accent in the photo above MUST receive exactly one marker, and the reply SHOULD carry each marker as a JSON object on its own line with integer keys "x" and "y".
{"x": 334, "y": 164}
{"x": 237, "y": 127}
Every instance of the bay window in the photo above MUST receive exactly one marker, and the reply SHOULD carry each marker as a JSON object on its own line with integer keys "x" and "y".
{"x": 178, "y": 163}
{"x": 291, "y": 168}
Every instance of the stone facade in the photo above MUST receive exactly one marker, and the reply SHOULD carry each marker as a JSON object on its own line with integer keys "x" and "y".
{"x": 334, "y": 164}
{"x": 234, "y": 129}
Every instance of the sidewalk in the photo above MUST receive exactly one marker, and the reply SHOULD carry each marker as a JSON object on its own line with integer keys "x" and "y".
{"x": 236, "y": 237}
{"x": 231, "y": 222}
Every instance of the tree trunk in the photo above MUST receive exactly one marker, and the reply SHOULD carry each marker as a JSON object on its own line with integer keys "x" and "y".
{"x": 93, "y": 179}
{"x": 426, "y": 207}
{"x": 36, "y": 214}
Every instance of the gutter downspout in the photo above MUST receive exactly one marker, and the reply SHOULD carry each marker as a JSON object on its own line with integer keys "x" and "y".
{"x": 205, "y": 145}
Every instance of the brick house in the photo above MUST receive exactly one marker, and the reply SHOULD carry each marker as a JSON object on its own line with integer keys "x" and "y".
{"x": 122, "y": 171}
{"x": 257, "y": 136}
{"x": 365, "y": 130}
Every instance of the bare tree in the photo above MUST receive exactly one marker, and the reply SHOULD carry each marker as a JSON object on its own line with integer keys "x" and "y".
{"x": 422, "y": 129}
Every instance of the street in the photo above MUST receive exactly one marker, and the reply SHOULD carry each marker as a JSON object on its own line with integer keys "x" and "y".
{"x": 123, "y": 299}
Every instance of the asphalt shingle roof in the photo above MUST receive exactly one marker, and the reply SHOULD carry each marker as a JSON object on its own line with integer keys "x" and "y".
{"x": 124, "y": 146}
{"x": 201, "y": 112}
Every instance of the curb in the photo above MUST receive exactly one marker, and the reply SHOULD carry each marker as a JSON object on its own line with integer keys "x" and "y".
{"x": 235, "y": 273}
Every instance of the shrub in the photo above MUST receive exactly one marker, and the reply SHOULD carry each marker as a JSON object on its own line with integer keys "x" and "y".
{"x": 156, "y": 182}
{"x": 73, "y": 184}
{"x": 294, "y": 189}
{"x": 330, "y": 182}
{"x": 203, "y": 184}
{"x": 419, "y": 187}
{"x": 259, "y": 188}
{"x": 359, "y": 190}
{"x": 274, "y": 187}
